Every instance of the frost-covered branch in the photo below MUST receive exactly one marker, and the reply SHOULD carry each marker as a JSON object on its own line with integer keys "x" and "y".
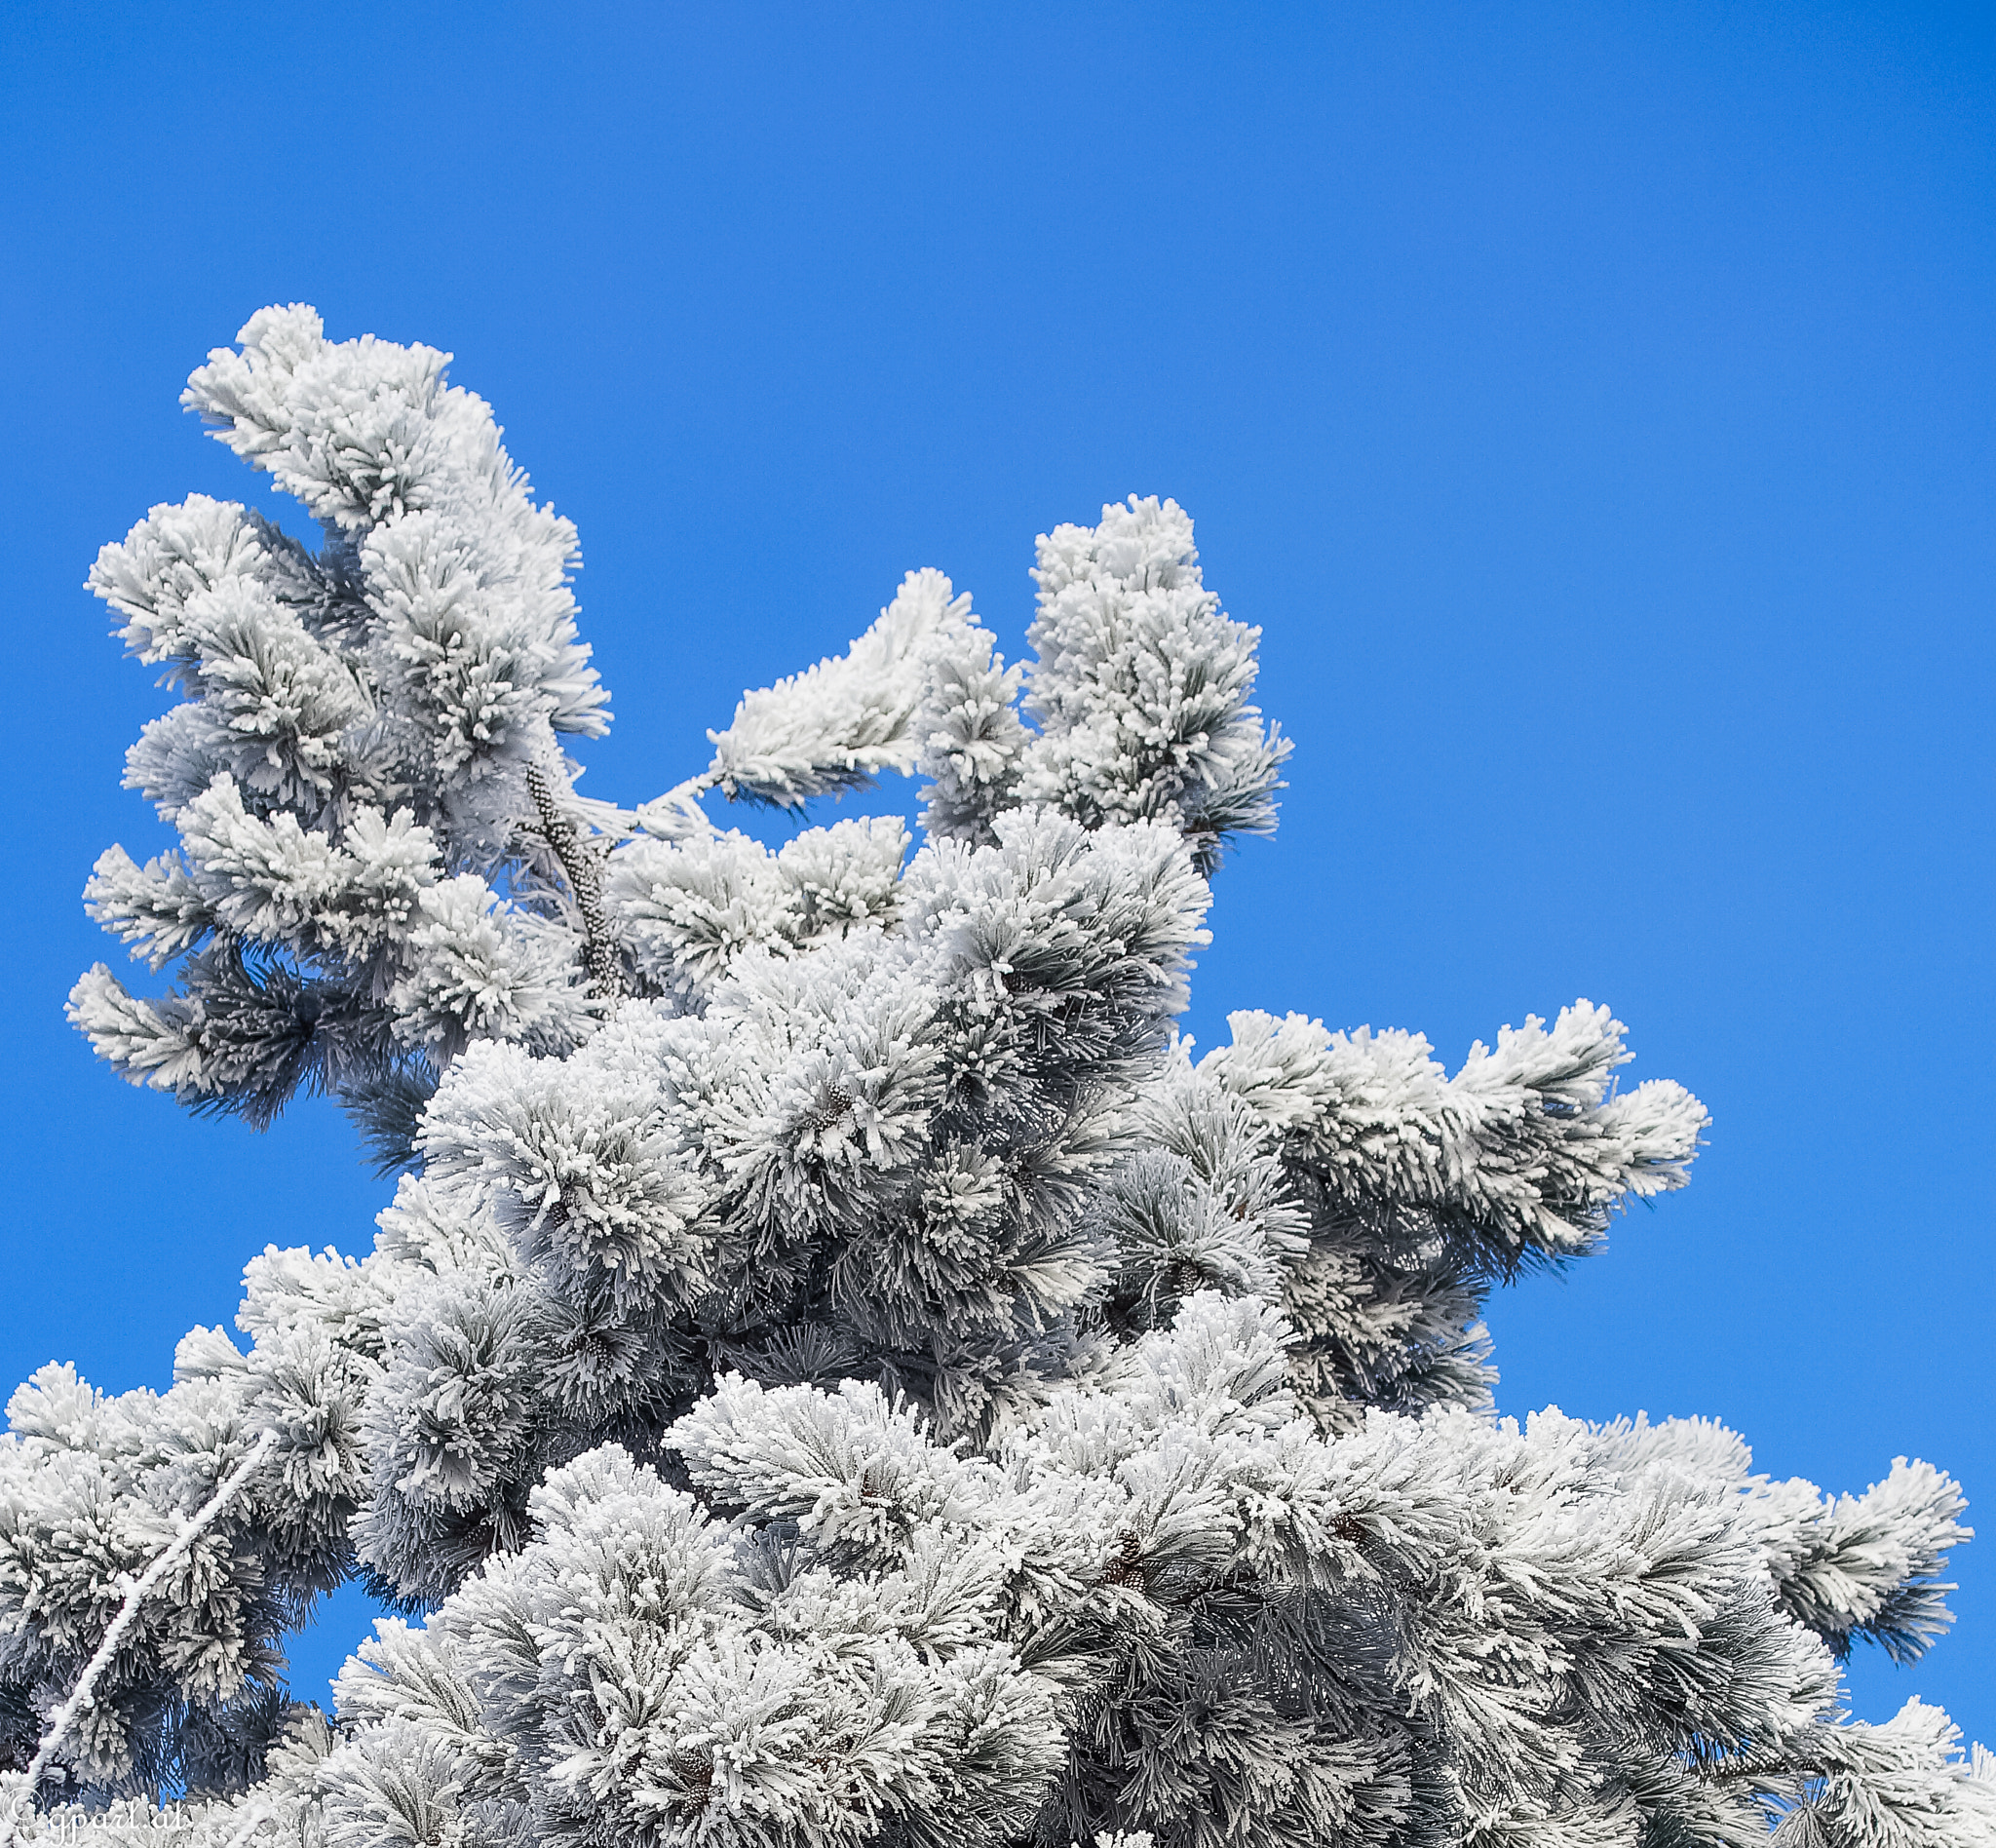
{"x": 1422, "y": 1187}
{"x": 170, "y": 1556}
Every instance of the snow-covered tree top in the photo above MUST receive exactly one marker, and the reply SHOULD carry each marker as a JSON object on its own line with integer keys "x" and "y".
{"x": 835, "y": 1369}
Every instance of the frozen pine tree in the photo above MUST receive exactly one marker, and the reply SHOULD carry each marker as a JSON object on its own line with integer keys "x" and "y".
{"x": 836, "y": 1368}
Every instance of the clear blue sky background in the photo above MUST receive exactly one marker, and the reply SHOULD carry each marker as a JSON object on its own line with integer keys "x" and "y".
{"x": 1591, "y": 401}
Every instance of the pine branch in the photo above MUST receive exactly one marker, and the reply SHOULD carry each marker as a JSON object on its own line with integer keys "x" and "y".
{"x": 191, "y": 1529}
{"x": 585, "y": 876}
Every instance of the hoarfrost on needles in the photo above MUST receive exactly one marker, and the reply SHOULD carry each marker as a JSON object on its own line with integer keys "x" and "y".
{"x": 836, "y": 1370}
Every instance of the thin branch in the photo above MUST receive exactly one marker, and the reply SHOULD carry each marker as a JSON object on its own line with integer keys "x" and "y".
{"x": 169, "y": 1556}
{"x": 677, "y": 814}
{"x": 584, "y": 875}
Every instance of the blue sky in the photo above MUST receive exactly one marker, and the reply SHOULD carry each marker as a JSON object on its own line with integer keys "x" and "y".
{"x": 1591, "y": 404}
